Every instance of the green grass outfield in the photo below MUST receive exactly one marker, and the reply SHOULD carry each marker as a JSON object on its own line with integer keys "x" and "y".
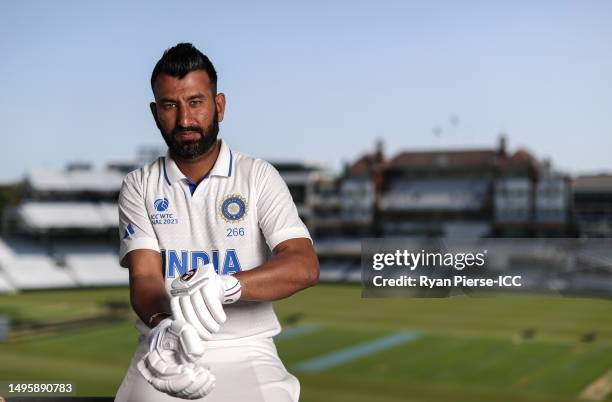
{"x": 468, "y": 349}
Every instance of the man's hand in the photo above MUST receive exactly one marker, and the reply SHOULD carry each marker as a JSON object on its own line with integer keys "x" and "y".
{"x": 198, "y": 297}
{"x": 173, "y": 364}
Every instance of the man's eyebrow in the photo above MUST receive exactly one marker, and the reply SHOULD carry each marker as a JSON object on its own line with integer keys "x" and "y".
{"x": 194, "y": 96}
{"x": 197, "y": 95}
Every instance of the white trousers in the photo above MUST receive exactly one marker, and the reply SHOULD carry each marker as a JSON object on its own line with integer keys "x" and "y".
{"x": 246, "y": 370}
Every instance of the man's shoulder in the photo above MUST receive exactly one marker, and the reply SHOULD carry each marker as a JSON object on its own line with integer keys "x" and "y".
{"x": 250, "y": 165}
{"x": 138, "y": 175}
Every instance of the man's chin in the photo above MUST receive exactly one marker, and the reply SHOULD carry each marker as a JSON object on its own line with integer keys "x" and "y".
{"x": 190, "y": 149}
{"x": 186, "y": 144}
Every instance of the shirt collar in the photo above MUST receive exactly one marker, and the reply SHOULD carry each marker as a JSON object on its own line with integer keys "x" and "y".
{"x": 223, "y": 166}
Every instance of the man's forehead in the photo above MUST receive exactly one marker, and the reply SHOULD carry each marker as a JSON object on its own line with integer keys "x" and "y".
{"x": 166, "y": 84}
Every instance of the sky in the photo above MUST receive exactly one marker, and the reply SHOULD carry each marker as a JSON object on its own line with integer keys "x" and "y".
{"x": 315, "y": 81}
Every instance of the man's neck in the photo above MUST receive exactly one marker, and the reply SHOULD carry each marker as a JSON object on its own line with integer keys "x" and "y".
{"x": 197, "y": 169}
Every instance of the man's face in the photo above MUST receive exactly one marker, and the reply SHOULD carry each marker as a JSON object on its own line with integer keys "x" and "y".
{"x": 187, "y": 113}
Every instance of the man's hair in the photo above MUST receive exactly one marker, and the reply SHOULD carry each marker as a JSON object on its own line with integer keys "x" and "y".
{"x": 182, "y": 59}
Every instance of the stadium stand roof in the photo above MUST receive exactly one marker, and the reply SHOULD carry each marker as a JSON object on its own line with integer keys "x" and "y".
{"x": 107, "y": 181}
{"x": 596, "y": 183}
{"x": 40, "y": 216}
{"x": 290, "y": 166}
{"x": 521, "y": 160}
{"x": 449, "y": 158}
{"x": 366, "y": 164}
{"x": 477, "y": 161}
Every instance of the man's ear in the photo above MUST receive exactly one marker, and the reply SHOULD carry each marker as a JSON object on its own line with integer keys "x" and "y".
{"x": 220, "y": 102}
{"x": 153, "y": 108}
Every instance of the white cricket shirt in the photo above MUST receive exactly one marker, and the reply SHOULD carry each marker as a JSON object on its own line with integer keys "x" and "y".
{"x": 235, "y": 216}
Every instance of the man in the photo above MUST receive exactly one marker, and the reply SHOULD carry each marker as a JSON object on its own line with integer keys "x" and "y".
{"x": 197, "y": 230}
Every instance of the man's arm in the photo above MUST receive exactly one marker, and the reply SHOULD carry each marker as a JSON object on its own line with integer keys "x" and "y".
{"x": 147, "y": 289}
{"x": 198, "y": 298}
{"x": 294, "y": 267}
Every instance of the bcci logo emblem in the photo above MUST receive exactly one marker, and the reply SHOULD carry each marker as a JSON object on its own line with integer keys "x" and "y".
{"x": 233, "y": 208}
{"x": 161, "y": 204}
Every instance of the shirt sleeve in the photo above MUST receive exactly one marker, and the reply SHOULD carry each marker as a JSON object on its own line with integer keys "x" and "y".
{"x": 278, "y": 215}
{"x": 135, "y": 228}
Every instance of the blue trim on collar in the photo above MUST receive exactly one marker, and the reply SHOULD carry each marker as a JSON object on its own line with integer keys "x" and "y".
{"x": 229, "y": 174}
{"x": 166, "y": 173}
{"x": 192, "y": 186}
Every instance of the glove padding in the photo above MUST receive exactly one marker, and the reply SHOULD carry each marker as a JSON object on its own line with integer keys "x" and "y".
{"x": 198, "y": 297}
{"x": 173, "y": 364}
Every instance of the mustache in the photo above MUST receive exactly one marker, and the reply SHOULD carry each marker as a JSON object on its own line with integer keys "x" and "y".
{"x": 181, "y": 129}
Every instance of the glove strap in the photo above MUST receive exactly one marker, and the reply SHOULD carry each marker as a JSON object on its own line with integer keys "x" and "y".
{"x": 232, "y": 290}
{"x": 156, "y": 315}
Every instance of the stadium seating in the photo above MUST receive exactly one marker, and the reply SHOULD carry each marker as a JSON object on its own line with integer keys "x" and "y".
{"x": 29, "y": 271}
{"x": 5, "y": 251}
{"x": 338, "y": 246}
{"x": 466, "y": 230}
{"x": 96, "y": 269}
{"x": 26, "y": 264}
{"x": 5, "y": 286}
{"x": 337, "y": 270}
{"x": 109, "y": 213}
{"x": 433, "y": 194}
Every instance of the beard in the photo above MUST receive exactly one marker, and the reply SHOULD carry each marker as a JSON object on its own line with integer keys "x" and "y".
{"x": 191, "y": 149}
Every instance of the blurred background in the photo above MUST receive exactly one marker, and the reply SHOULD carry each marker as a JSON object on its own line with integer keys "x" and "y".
{"x": 450, "y": 120}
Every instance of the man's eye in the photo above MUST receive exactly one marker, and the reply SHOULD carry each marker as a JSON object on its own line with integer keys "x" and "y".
{"x": 169, "y": 105}
{"x": 195, "y": 102}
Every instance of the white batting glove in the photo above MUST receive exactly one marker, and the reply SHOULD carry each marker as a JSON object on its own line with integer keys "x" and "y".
{"x": 173, "y": 364}
{"x": 198, "y": 297}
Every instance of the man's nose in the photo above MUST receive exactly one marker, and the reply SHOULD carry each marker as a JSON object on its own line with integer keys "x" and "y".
{"x": 184, "y": 117}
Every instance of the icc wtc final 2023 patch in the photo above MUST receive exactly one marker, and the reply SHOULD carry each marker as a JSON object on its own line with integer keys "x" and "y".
{"x": 233, "y": 208}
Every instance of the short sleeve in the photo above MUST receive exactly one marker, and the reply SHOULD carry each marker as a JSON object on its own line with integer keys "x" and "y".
{"x": 135, "y": 228}
{"x": 277, "y": 213}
